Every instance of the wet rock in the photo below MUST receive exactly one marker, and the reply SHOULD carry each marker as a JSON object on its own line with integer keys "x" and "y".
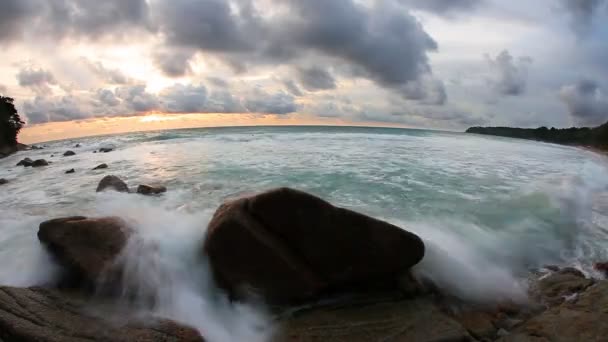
{"x": 36, "y": 314}
{"x": 478, "y": 324}
{"x": 151, "y": 190}
{"x": 70, "y": 171}
{"x": 295, "y": 247}
{"x": 101, "y": 166}
{"x": 77, "y": 146}
{"x": 39, "y": 163}
{"x": 106, "y": 149}
{"x": 113, "y": 183}
{"x": 69, "y": 153}
{"x": 412, "y": 320}
{"x": 25, "y": 162}
{"x": 85, "y": 247}
{"x": 554, "y": 289}
{"x": 584, "y": 319}
{"x": 552, "y": 268}
{"x": 3, "y": 181}
{"x": 602, "y": 267}
{"x": 573, "y": 271}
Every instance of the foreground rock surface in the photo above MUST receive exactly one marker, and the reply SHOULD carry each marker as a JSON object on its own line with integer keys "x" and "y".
{"x": 410, "y": 320}
{"x": 84, "y": 247}
{"x": 35, "y": 314}
{"x": 112, "y": 183}
{"x": 289, "y": 246}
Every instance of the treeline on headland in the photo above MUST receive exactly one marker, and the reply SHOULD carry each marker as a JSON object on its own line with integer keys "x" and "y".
{"x": 10, "y": 125}
{"x": 596, "y": 137}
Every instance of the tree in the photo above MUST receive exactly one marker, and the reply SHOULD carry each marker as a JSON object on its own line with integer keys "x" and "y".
{"x": 10, "y": 122}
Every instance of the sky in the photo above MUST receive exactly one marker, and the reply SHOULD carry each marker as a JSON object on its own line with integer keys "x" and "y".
{"x": 78, "y": 67}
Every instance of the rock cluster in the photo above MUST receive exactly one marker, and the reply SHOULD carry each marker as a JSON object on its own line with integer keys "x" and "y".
{"x": 331, "y": 274}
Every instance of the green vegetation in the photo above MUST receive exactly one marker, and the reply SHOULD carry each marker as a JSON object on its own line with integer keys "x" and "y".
{"x": 10, "y": 122}
{"x": 596, "y": 137}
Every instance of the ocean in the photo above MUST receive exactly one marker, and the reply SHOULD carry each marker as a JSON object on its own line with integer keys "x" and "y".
{"x": 489, "y": 209}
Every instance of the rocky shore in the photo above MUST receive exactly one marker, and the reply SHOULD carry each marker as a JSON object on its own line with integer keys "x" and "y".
{"x": 326, "y": 273}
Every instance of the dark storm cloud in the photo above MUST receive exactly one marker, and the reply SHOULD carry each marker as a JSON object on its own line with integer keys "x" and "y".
{"x": 583, "y": 12}
{"x": 443, "y": 7}
{"x": 586, "y": 102}
{"x": 60, "y": 18}
{"x": 36, "y": 79}
{"x": 511, "y": 75}
{"x": 12, "y": 15}
{"x": 316, "y": 78}
{"x": 381, "y": 42}
{"x": 427, "y": 91}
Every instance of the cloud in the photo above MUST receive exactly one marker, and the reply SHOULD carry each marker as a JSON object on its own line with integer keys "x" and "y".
{"x": 108, "y": 75}
{"x": 443, "y": 7}
{"x": 292, "y": 88}
{"x": 586, "y": 102}
{"x": 175, "y": 63}
{"x": 218, "y": 82}
{"x": 12, "y": 15}
{"x": 181, "y": 98}
{"x": 316, "y": 78}
{"x": 582, "y": 13}
{"x": 428, "y": 91}
{"x": 43, "y": 109}
{"x": 3, "y": 89}
{"x": 262, "y": 102}
{"x": 137, "y": 98}
{"x": 380, "y": 42}
{"x": 74, "y": 18}
{"x": 38, "y": 80}
{"x": 510, "y": 75}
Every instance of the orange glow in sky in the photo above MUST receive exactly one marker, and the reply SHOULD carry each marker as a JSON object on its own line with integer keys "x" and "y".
{"x": 158, "y": 121}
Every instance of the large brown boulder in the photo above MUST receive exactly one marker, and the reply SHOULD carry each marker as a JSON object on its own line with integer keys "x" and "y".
{"x": 289, "y": 246}
{"x": 84, "y": 247}
{"x": 113, "y": 183}
{"x": 28, "y": 315}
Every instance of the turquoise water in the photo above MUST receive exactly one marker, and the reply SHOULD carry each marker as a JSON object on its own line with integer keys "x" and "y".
{"x": 490, "y": 209}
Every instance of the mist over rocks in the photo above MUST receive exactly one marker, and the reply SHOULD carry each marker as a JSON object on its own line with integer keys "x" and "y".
{"x": 85, "y": 247}
{"x": 293, "y": 247}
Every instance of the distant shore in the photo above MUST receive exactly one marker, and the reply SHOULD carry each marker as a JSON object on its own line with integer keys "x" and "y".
{"x": 595, "y": 139}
